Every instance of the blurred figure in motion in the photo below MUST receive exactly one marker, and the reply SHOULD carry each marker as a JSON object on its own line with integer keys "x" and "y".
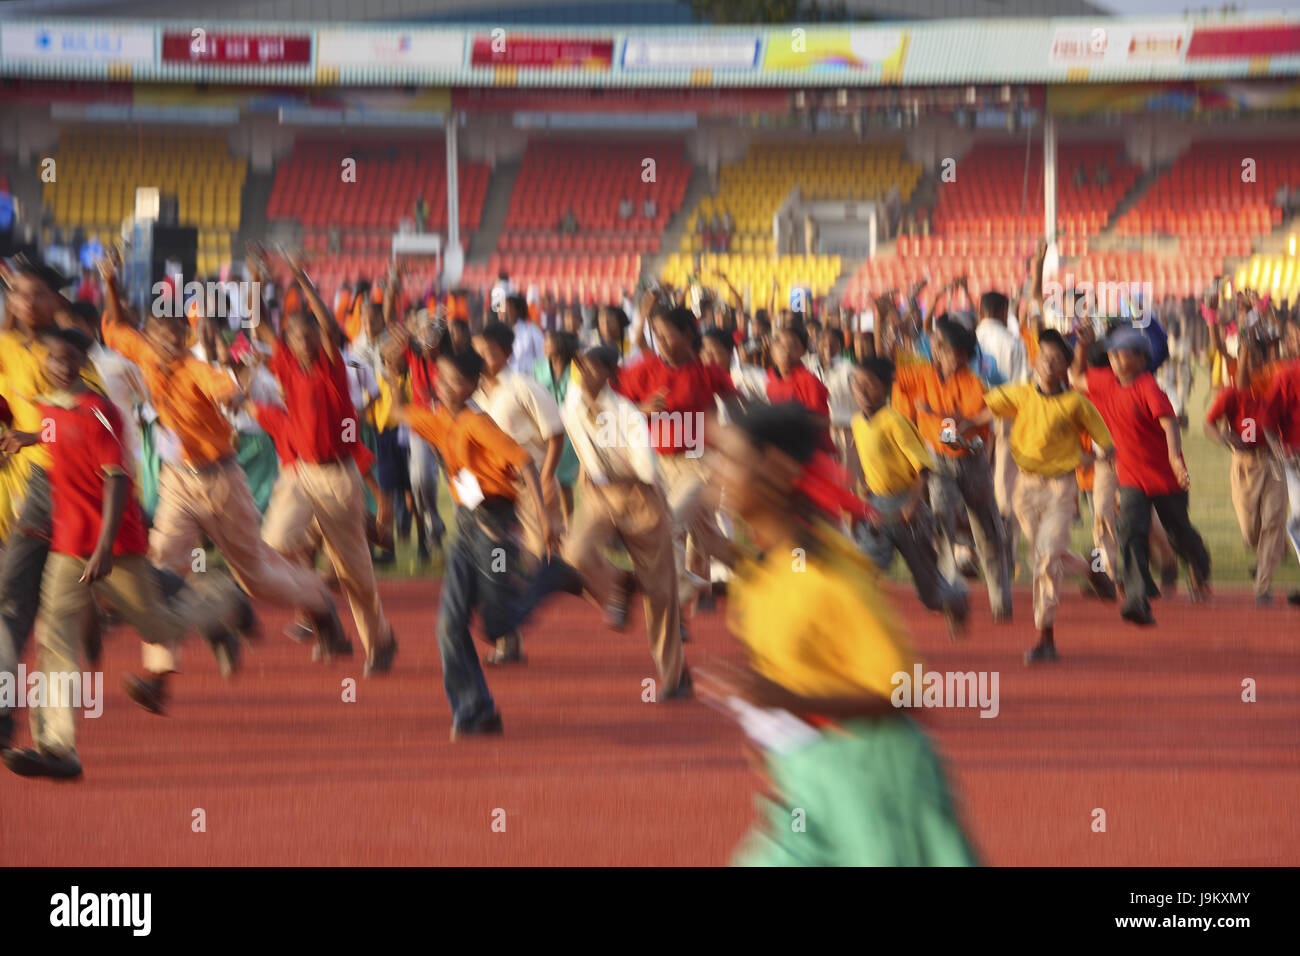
{"x": 824, "y": 645}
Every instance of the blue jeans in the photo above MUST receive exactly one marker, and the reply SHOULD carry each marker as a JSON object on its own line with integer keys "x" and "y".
{"x": 423, "y": 464}
{"x": 484, "y": 573}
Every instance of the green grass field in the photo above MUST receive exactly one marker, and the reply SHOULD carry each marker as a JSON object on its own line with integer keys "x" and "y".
{"x": 1211, "y": 507}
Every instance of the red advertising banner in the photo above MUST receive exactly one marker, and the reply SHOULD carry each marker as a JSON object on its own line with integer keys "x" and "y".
{"x": 544, "y": 53}
{"x": 1220, "y": 43}
{"x": 236, "y": 49}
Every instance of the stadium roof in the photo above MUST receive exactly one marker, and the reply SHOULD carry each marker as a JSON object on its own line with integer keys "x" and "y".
{"x": 576, "y": 12}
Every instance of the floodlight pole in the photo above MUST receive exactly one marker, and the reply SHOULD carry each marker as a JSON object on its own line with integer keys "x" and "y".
{"x": 453, "y": 184}
{"x": 1049, "y": 177}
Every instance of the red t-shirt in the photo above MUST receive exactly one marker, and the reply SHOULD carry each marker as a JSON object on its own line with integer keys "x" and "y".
{"x": 275, "y": 422}
{"x": 688, "y": 389}
{"x": 85, "y": 446}
{"x": 319, "y": 405}
{"x": 1244, "y": 412}
{"x": 424, "y": 373}
{"x": 1281, "y": 408}
{"x": 1133, "y": 413}
{"x": 800, "y": 386}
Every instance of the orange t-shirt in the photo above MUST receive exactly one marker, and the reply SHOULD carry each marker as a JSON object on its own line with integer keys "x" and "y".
{"x": 472, "y": 441}
{"x": 185, "y": 395}
{"x": 959, "y": 396}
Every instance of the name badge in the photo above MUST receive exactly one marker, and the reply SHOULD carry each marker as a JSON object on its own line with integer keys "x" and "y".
{"x": 467, "y": 489}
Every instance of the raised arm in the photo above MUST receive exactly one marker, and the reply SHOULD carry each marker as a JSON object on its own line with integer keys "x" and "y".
{"x": 330, "y": 332}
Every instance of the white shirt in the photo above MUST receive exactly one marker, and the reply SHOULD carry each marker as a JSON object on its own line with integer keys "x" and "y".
{"x": 362, "y": 384}
{"x": 529, "y": 346}
{"x": 263, "y": 389}
{"x": 125, "y": 388}
{"x": 1007, "y": 350}
{"x": 611, "y": 437}
{"x": 838, "y": 380}
{"x": 750, "y": 381}
{"x": 523, "y": 409}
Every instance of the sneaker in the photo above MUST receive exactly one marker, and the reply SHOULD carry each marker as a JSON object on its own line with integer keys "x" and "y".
{"x": 42, "y": 763}
{"x": 491, "y": 727}
{"x": 616, "y": 608}
{"x": 508, "y": 650}
{"x": 299, "y": 631}
{"x": 225, "y": 648}
{"x": 1140, "y": 616}
{"x": 1102, "y": 586}
{"x": 1264, "y": 600}
{"x": 331, "y": 642}
{"x": 1041, "y": 654}
{"x": 149, "y": 693}
{"x": 380, "y": 661}
{"x": 684, "y": 690}
{"x": 1293, "y": 597}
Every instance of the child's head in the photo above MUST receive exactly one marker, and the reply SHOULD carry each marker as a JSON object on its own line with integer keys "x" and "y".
{"x": 829, "y": 344}
{"x": 458, "y": 335}
{"x": 675, "y": 332}
{"x": 302, "y": 337}
{"x": 1052, "y": 367}
{"x": 1128, "y": 350}
{"x": 81, "y": 316}
{"x": 717, "y": 348}
{"x": 762, "y": 457}
{"x": 789, "y": 345}
{"x": 611, "y": 324}
{"x": 952, "y": 346}
{"x": 495, "y": 344}
{"x": 65, "y": 355}
{"x": 560, "y": 346}
{"x": 458, "y": 375}
{"x": 166, "y": 336}
{"x": 872, "y": 381}
{"x": 596, "y": 367}
{"x": 35, "y": 297}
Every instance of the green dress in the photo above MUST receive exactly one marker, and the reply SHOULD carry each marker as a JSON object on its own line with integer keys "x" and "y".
{"x": 566, "y": 473}
{"x": 872, "y": 794}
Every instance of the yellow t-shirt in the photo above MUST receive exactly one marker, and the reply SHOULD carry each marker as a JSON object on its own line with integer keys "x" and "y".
{"x": 1045, "y": 436}
{"x": 891, "y": 451}
{"x": 23, "y": 375}
{"x": 817, "y": 623}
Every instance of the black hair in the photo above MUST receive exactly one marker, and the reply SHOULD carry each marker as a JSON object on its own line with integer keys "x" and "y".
{"x": 494, "y": 330}
{"x": 798, "y": 330}
{"x": 722, "y": 337}
{"x": 78, "y": 339}
{"x": 605, "y": 355}
{"x": 85, "y": 312}
{"x": 994, "y": 305}
{"x": 683, "y": 320}
{"x": 519, "y": 303}
{"x": 1097, "y": 355}
{"x": 958, "y": 337}
{"x": 1056, "y": 340}
{"x": 566, "y": 343}
{"x": 881, "y": 368}
{"x": 468, "y": 362}
{"x": 49, "y": 276}
{"x": 788, "y": 427}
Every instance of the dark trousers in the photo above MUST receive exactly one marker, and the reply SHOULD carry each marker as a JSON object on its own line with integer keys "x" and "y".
{"x": 913, "y": 540}
{"x": 1134, "y": 532}
{"x": 968, "y": 480}
{"x": 21, "y": 570}
{"x": 484, "y": 573}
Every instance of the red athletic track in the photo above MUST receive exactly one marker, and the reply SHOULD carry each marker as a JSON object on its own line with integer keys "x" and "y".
{"x": 1148, "y": 725}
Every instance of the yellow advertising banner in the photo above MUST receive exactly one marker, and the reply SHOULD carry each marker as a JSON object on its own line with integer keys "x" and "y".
{"x": 868, "y": 48}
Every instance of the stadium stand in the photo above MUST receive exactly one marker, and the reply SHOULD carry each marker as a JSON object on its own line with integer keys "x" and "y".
{"x": 97, "y": 174}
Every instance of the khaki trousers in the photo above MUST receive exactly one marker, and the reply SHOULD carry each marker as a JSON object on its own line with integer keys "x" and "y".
{"x": 1259, "y": 498}
{"x": 328, "y": 499}
{"x": 1105, "y": 516}
{"x": 1045, "y": 507}
{"x": 66, "y": 606}
{"x": 217, "y": 502}
{"x": 639, "y": 514}
{"x": 530, "y": 524}
{"x": 696, "y": 536}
